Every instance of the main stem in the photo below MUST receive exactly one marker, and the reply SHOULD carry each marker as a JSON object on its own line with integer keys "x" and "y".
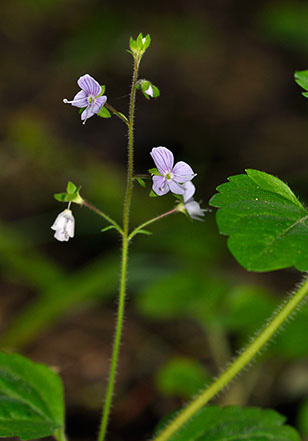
{"x": 243, "y": 360}
{"x": 125, "y": 241}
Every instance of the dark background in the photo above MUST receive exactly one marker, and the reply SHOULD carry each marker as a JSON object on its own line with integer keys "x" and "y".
{"x": 228, "y": 102}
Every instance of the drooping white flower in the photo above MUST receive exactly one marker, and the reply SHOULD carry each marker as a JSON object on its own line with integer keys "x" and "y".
{"x": 64, "y": 226}
{"x": 191, "y": 206}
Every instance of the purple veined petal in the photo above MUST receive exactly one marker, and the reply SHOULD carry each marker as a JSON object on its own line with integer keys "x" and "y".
{"x": 163, "y": 159}
{"x": 89, "y": 85}
{"x": 79, "y": 100}
{"x": 182, "y": 172}
{"x": 189, "y": 190}
{"x": 99, "y": 102}
{"x": 87, "y": 113}
{"x": 175, "y": 187}
{"x": 160, "y": 185}
{"x": 194, "y": 210}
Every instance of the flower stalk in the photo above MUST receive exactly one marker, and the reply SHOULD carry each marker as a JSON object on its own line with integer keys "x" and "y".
{"x": 102, "y": 214}
{"x": 151, "y": 221}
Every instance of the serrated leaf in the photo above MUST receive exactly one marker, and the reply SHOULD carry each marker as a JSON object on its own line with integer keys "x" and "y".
{"x": 109, "y": 227}
{"x": 146, "y": 232}
{"x": 71, "y": 188}
{"x": 31, "y": 398}
{"x": 305, "y": 94}
{"x": 213, "y": 423}
{"x": 301, "y": 78}
{"x": 104, "y": 113}
{"x": 266, "y": 224}
{"x": 140, "y": 181}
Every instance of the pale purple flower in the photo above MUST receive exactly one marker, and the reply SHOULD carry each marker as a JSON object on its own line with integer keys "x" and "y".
{"x": 88, "y": 97}
{"x": 64, "y": 226}
{"x": 172, "y": 177}
{"x": 191, "y": 206}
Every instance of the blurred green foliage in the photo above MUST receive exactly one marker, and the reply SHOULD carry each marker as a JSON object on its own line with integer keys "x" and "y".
{"x": 227, "y": 102}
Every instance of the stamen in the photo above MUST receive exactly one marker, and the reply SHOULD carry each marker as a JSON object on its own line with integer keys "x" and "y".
{"x": 66, "y": 101}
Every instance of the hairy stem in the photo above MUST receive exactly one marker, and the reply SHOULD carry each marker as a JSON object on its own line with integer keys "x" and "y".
{"x": 125, "y": 241}
{"x": 233, "y": 370}
{"x": 145, "y": 224}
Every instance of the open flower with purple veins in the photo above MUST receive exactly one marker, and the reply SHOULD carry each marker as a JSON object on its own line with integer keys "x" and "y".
{"x": 64, "y": 226}
{"x": 89, "y": 97}
{"x": 172, "y": 177}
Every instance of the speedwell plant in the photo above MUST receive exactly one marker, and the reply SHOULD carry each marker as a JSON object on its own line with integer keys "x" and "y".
{"x": 267, "y": 229}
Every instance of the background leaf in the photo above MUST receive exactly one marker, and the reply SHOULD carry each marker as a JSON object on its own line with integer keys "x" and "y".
{"x": 267, "y": 225}
{"x": 32, "y": 404}
{"x": 233, "y": 423}
{"x": 182, "y": 377}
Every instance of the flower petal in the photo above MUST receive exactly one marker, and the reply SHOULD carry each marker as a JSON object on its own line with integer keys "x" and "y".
{"x": 149, "y": 91}
{"x": 189, "y": 190}
{"x": 160, "y": 185}
{"x": 163, "y": 159}
{"x": 175, "y": 187}
{"x": 182, "y": 172}
{"x": 87, "y": 113}
{"x": 70, "y": 227}
{"x": 194, "y": 210}
{"x": 61, "y": 235}
{"x": 99, "y": 102}
{"x": 79, "y": 100}
{"x": 89, "y": 85}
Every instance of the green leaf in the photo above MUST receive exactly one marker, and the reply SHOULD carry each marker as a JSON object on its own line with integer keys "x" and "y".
{"x": 182, "y": 377}
{"x": 104, "y": 113}
{"x": 61, "y": 197}
{"x": 302, "y": 418}
{"x": 31, "y": 395}
{"x": 71, "y": 188}
{"x": 266, "y": 224}
{"x": 109, "y": 227}
{"x": 140, "y": 181}
{"x": 123, "y": 116}
{"x": 146, "y": 232}
{"x": 156, "y": 91}
{"x": 152, "y": 194}
{"x": 301, "y": 78}
{"x": 154, "y": 171}
{"x": 213, "y": 423}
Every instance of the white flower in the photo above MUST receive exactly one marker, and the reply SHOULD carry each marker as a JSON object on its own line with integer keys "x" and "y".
{"x": 64, "y": 226}
{"x": 149, "y": 91}
{"x": 192, "y": 207}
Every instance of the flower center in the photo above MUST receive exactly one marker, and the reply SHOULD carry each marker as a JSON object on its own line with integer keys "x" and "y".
{"x": 91, "y": 99}
{"x": 169, "y": 175}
